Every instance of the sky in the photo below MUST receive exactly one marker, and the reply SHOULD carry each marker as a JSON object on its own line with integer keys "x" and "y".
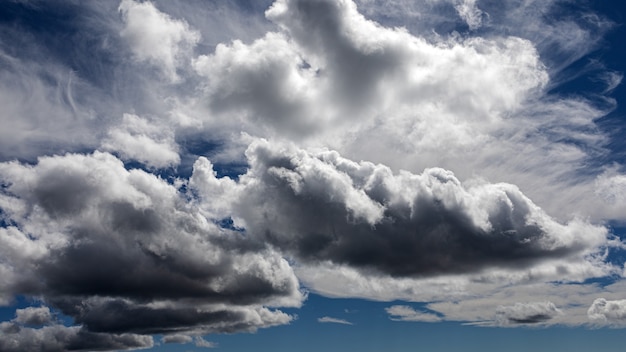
{"x": 397, "y": 175}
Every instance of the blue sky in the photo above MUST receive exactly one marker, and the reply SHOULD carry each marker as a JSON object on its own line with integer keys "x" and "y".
{"x": 314, "y": 174}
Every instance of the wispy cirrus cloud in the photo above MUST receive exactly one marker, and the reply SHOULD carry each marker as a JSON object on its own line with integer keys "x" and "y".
{"x": 327, "y": 319}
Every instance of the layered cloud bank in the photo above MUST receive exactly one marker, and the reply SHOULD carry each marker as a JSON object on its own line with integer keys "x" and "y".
{"x": 160, "y": 185}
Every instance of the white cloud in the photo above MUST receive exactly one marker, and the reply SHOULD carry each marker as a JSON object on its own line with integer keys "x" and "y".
{"x": 612, "y": 80}
{"x": 149, "y": 142}
{"x": 470, "y": 13}
{"x": 157, "y": 38}
{"x": 474, "y": 299}
{"x": 526, "y": 313}
{"x": 177, "y": 338}
{"x": 467, "y": 104}
{"x": 33, "y": 316}
{"x": 199, "y": 341}
{"x": 603, "y": 311}
{"x": 407, "y": 313}
{"x": 39, "y": 105}
{"x": 611, "y": 187}
{"x": 303, "y": 80}
{"x": 327, "y": 319}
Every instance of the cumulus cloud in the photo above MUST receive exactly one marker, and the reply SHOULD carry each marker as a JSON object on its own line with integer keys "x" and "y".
{"x": 157, "y": 38}
{"x": 139, "y": 139}
{"x": 198, "y": 341}
{"x": 611, "y": 186}
{"x": 90, "y": 209}
{"x": 177, "y": 338}
{"x": 407, "y": 313}
{"x": 56, "y": 337}
{"x": 409, "y": 160}
{"x": 303, "y": 81}
{"x": 526, "y": 313}
{"x": 353, "y": 229}
{"x": 327, "y": 319}
{"x": 603, "y": 311}
{"x": 328, "y": 208}
{"x": 33, "y": 316}
{"x": 468, "y": 104}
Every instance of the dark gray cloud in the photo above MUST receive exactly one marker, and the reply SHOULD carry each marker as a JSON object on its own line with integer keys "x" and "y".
{"x": 57, "y": 338}
{"x": 123, "y": 251}
{"x": 328, "y": 208}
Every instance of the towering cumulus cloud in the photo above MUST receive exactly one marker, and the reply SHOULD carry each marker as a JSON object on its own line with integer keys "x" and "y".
{"x": 182, "y": 170}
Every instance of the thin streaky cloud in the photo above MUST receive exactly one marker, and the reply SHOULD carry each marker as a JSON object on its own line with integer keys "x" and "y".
{"x": 327, "y": 319}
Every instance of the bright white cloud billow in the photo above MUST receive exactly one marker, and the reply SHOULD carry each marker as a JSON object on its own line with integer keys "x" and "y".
{"x": 157, "y": 38}
{"x": 144, "y": 141}
{"x": 209, "y": 166}
{"x": 604, "y": 311}
{"x": 468, "y": 104}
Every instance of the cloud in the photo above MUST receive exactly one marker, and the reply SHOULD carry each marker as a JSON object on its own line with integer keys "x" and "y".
{"x": 526, "y": 313}
{"x": 612, "y": 80}
{"x": 384, "y": 152}
{"x": 33, "y": 316}
{"x": 603, "y": 311}
{"x": 198, "y": 341}
{"x": 469, "y": 12}
{"x": 407, "y": 313}
{"x": 551, "y": 25}
{"x": 302, "y": 81}
{"x": 349, "y": 229}
{"x": 66, "y": 77}
{"x": 142, "y": 140}
{"x": 329, "y": 208}
{"x": 469, "y": 104}
{"x": 157, "y": 38}
{"x": 177, "y": 338}
{"x": 326, "y": 319}
{"x": 134, "y": 276}
{"x": 57, "y": 337}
